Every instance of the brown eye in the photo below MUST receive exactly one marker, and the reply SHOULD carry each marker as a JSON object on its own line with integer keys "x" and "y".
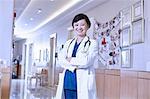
{"x": 76, "y": 25}
{"x": 82, "y": 24}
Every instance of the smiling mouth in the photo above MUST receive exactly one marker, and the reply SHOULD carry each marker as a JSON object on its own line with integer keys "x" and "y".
{"x": 80, "y": 30}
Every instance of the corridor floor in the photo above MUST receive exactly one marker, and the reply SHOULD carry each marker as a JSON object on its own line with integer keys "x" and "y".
{"x": 20, "y": 90}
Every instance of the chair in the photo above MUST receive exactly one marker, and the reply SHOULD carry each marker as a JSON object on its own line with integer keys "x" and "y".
{"x": 37, "y": 78}
{"x": 44, "y": 77}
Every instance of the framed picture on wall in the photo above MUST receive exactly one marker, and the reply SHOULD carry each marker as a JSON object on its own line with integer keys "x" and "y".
{"x": 126, "y": 17}
{"x": 126, "y": 58}
{"x": 137, "y": 10}
{"x": 126, "y": 32}
{"x": 137, "y": 34}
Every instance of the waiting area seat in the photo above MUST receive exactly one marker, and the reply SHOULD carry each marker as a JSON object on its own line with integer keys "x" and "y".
{"x": 40, "y": 78}
{"x": 37, "y": 78}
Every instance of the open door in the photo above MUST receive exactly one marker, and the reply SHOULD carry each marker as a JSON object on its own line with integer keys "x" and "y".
{"x": 52, "y": 63}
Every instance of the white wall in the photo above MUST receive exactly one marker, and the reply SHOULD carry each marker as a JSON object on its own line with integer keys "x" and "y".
{"x": 6, "y": 21}
{"x": 141, "y": 56}
{"x": 145, "y": 60}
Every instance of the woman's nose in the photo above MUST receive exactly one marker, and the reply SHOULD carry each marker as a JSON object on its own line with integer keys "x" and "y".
{"x": 79, "y": 27}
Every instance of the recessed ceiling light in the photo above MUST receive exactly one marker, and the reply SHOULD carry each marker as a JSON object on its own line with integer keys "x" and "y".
{"x": 39, "y": 11}
{"x": 31, "y": 19}
{"x": 51, "y": 0}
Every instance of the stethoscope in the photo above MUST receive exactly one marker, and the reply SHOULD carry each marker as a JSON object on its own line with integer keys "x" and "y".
{"x": 85, "y": 47}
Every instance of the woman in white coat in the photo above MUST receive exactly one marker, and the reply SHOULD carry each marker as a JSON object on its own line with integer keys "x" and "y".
{"x": 77, "y": 58}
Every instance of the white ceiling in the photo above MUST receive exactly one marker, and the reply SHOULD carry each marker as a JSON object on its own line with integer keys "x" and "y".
{"x": 20, "y": 5}
{"x": 29, "y": 20}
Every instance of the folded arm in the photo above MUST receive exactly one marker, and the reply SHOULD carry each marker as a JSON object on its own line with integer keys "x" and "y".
{"x": 63, "y": 59}
{"x": 86, "y": 59}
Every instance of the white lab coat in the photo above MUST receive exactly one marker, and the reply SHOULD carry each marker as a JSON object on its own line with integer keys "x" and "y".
{"x": 85, "y": 56}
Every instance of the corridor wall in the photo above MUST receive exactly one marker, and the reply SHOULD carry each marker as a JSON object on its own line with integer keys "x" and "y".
{"x": 6, "y": 29}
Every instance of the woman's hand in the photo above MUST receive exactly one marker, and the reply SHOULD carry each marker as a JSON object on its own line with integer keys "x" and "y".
{"x": 69, "y": 59}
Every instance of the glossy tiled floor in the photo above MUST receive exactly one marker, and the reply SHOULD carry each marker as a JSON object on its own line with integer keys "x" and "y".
{"x": 20, "y": 90}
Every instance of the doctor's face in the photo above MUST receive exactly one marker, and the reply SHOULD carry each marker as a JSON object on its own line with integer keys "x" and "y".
{"x": 81, "y": 27}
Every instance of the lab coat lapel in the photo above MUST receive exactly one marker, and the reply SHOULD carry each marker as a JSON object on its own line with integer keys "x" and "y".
{"x": 70, "y": 47}
{"x": 82, "y": 44}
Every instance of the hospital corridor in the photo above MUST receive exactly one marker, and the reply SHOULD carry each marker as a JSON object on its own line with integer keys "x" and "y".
{"x": 84, "y": 49}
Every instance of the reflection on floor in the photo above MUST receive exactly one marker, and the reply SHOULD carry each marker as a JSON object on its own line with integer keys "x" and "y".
{"x": 20, "y": 90}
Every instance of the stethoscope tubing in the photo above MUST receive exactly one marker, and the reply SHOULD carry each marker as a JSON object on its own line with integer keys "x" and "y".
{"x": 84, "y": 44}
